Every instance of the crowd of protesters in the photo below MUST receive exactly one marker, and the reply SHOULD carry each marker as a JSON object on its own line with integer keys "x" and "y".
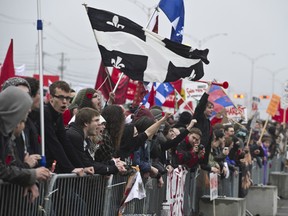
{"x": 85, "y": 134}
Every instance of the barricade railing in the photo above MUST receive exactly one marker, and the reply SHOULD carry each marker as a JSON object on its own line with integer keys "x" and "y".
{"x": 67, "y": 194}
{"x": 70, "y": 195}
{"x": 260, "y": 173}
{"x": 12, "y": 201}
{"x": 152, "y": 204}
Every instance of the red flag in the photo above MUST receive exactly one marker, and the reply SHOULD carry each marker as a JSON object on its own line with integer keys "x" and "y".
{"x": 106, "y": 85}
{"x": 170, "y": 100}
{"x": 279, "y": 116}
{"x": 151, "y": 98}
{"x": 139, "y": 94}
{"x": 7, "y": 69}
{"x": 47, "y": 79}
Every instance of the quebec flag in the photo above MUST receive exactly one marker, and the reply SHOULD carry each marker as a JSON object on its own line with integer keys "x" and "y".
{"x": 174, "y": 10}
{"x": 161, "y": 90}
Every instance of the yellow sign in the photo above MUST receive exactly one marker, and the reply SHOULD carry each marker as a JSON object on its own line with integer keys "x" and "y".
{"x": 273, "y": 105}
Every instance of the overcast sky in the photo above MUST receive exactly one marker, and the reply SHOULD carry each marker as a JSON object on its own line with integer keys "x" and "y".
{"x": 247, "y": 28}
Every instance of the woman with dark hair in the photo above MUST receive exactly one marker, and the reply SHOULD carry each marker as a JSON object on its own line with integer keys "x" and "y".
{"x": 111, "y": 136}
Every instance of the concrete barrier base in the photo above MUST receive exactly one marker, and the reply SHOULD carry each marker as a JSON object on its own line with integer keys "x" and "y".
{"x": 262, "y": 200}
{"x": 280, "y": 179}
{"x": 226, "y": 206}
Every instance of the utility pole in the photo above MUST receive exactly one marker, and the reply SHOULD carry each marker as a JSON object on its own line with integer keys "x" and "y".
{"x": 62, "y": 67}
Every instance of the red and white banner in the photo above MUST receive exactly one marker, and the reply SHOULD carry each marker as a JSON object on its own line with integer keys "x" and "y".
{"x": 175, "y": 190}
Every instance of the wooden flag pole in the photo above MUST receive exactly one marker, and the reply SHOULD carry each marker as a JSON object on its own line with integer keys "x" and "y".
{"x": 263, "y": 129}
{"x": 284, "y": 117}
{"x": 185, "y": 103}
{"x": 249, "y": 137}
{"x": 115, "y": 88}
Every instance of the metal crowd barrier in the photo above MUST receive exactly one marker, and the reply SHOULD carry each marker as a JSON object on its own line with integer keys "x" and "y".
{"x": 260, "y": 174}
{"x": 150, "y": 205}
{"x": 67, "y": 194}
{"x": 12, "y": 201}
{"x": 71, "y": 195}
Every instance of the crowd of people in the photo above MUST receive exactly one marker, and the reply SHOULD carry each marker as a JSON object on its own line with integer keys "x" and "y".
{"x": 85, "y": 134}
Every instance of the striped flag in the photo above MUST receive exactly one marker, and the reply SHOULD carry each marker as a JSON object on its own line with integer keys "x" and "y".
{"x": 219, "y": 98}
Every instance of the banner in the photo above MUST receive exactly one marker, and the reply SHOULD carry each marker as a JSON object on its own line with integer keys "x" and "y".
{"x": 273, "y": 105}
{"x": 213, "y": 186}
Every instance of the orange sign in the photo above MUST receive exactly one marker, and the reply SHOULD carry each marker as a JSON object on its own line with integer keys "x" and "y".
{"x": 273, "y": 105}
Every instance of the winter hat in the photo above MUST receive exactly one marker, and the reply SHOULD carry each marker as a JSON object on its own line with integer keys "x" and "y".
{"x": 14, "y": 106}
{"x": 16, "y": 81}
{"x": 185, "y": 118}
{"x": 84, "y": 98}
{"x": 143, "y": 123}
{"x": 156, "y": 113}
{"x": 142, "y": 111}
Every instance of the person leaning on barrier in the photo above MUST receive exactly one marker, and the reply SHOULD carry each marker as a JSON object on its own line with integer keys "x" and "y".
{"x": 115, "y": 123}
{"x": 56, "y": 143}
{"x": 26, "y": 148}
{"x": 86, "y": 124}
{"x": 14, "y": 107}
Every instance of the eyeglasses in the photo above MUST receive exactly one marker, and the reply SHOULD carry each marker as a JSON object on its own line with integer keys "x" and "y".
{"x": 62, "y": 97}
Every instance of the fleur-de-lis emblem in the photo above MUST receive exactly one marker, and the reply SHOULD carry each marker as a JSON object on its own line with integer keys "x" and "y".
{"x": 115, "y": 22}
{"x": 166, "y": 87}
{"x": 180, "y": 32}
{"x": 117, "y": 63}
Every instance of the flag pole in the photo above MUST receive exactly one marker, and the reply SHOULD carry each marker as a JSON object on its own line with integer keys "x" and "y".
{"x": 185, "y": 103}
{"x": 121, "y": 75}
{"x": 284, "y": 117}
{"x": 153, "y": 14}
{"x": 40, "y": 58}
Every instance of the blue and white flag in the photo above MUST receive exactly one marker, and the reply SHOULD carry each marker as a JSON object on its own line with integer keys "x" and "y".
{"x": 162, "y": 90}
{"x": 174, "y": 10}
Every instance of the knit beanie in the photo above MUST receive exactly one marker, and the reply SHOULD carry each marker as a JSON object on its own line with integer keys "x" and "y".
{"x": 156, "y": 113}
{"x": 84, "y": 98}
{"x": 143, "y": 123}
{"x": 16, "y": 81}
{"x": 142, "y": 111}
{"x": 185, "y": 118}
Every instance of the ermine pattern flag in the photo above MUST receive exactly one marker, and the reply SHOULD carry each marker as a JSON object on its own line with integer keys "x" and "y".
{"x": 141, "y": 54}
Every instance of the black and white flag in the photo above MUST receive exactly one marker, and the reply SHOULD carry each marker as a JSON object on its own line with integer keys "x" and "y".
{"x": 141, "y": 54}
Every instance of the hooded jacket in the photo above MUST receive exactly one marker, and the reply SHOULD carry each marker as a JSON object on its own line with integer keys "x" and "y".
{"x": 14, "y": 106}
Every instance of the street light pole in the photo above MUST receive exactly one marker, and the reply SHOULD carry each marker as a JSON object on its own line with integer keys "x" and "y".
{"x": 273, "y": 73}
{"x": 253, "y": 61}
{"x": 200, "y": 42}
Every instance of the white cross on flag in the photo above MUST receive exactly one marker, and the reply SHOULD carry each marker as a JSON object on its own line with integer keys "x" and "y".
{"x": 141, "y": 54}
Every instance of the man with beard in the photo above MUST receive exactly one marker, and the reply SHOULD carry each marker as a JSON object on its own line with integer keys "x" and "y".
{"x": 56, "y": 143}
